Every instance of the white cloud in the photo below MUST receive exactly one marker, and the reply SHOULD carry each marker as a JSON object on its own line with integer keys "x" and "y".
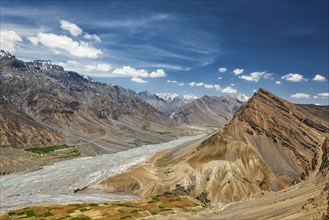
{"x": 208, "y": 86}
{"x": 232, "y": 84}
{"x": 256, "y": 76}
{"x": 127, "y": 71}
{"x": 91, "y": 69}
{"x": 205, "y": 85}
{"x": 324, "y": 94}
{"x": 92, "y": 36}
{"x": 294, "y": 77}
{"x": 318, "y": 77}
{"x": 175, "y": 82}
{"x": 315, "y": 96}
{"x": 254, "y": 90}
{"x": 300, "y": 96}
{"x": 222, "y": 69}
{"x": 192, "y": 84}
{"x": 9, "y": 40}
{"x": 138, "y": 80}
{"x": 229, "y": 90}
{"x": 278, "y": 82}
{"x": 99, "y": 67}
{"x": 238, "y": 71}
{"x": 75, "y": 48}
{"x": 74, "y": 29}
{"x": 220, "y": 77}
{"x": 158, "y": 73}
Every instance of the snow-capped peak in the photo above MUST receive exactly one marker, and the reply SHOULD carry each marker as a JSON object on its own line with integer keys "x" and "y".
{"x": 5, "y": 54}
{"x": 167, "y": 96}
{"x": 189, "y": 97}
{"x": 241, "y": 97}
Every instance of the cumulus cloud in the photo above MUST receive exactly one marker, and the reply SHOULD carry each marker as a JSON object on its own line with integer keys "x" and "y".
{"x": 9, "y": 40}
{"x": 315, "y": 96}
{"x": 300, "y": 96}
{"x": 74, "y": 29}
{"x": 220, "y": 77}
{"x": 99, "y": 67}
{"x": 138, "y": 80}
{"x": 75, "y": 48}
{"x": 256, "y": 76}
{"x": 127, "y": 71}
{"x": 92, "y": 37}
{"x": 324, "y": 94}
{"x": 158, "y": 73}
{"x": 92, "y": 69}
{"x": 222, "y": 69}
{"x": 229, "y": 90}
{"x": 278, "y": 82}
{"x": 238, "y": 71}
{"x": 181, "y": 84}
{"x": 294, "y": 77}
{"x": 205, "y": 85}
{"x": 319, "y": 77}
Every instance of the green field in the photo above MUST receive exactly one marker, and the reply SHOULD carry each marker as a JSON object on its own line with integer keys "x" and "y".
{"x": 44, "y": 150}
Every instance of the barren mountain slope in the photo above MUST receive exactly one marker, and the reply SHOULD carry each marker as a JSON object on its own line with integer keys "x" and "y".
{"x": 16, "y": 128}
{"x": 269, "y": 145}
{"x": 86, "y": 111}
{"x": 210, "y": 111}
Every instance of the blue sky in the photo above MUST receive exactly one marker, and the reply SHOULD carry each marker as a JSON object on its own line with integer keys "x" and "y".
{"x": 186, "y": 47}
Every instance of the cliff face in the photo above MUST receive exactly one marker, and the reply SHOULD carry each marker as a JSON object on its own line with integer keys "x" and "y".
{"x": 270, "y": 144}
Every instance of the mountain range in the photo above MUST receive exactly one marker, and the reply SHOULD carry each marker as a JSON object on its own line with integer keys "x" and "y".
{"x": 43, "y": 105}
{"x": 269, "y": 145}
{"x": 207, "y": 111}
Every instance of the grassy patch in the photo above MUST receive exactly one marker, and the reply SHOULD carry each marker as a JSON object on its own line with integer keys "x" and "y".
{"x": 30, "y": 213}
{"x": 125, "y": 217}
{"x": 43, "y": 150}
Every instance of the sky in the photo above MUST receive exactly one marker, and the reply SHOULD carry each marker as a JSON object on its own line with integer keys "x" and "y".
{"x": 184, "y": 47}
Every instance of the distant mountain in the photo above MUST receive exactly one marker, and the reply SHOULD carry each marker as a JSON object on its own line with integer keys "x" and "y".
{"x": 269, "y": 145}
{"x": 167, "y": 103}
{"x": 100, "y": 117}
{"x": 171, "y": 96}
{"x": 240, "y": 96}
{"x": 214, "y": 111}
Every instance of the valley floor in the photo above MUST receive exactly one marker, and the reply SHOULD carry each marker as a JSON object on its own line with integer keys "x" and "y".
{"x": 58, "y": 182}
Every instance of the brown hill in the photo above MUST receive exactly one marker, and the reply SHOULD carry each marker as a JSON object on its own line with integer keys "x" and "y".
{"x": 269, "y": 144}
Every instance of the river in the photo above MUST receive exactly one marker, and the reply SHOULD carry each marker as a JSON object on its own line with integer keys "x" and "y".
{"x": 56, "y": 183}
